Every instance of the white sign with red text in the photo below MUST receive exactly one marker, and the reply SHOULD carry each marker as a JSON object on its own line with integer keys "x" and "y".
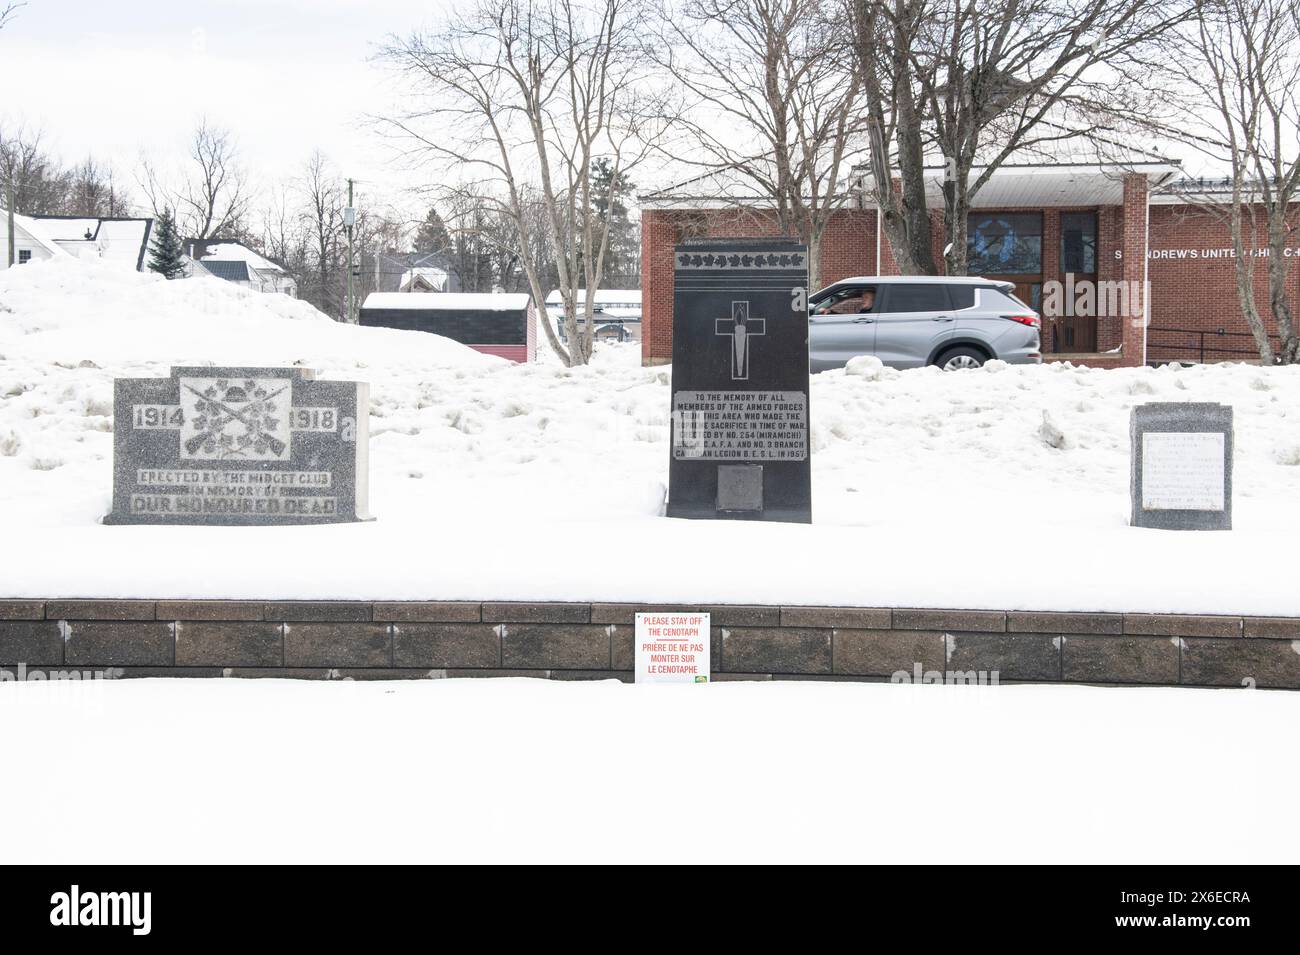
{"x": 672, "y": 648}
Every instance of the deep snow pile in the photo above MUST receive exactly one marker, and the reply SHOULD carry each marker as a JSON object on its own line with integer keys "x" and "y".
{"x": 68, "y": 310}
{"x": 1046, "y": 773}
{"x": 1004, "y": 487}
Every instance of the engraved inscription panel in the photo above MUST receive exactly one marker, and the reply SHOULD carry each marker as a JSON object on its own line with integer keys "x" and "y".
{"x": 1182, "y": 471}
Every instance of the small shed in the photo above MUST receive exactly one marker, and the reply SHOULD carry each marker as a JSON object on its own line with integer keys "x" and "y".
{"x": 495, "y": 323}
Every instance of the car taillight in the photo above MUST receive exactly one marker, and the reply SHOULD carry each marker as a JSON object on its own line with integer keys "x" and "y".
{"x": 1029, "y": 319}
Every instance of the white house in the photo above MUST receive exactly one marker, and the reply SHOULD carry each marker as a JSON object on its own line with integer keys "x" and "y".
{"x": 121, "y": 241}
{"x": 235, "y": 262}
{"x": 31, "y": 244}
{"x": 423, "y": 278}
{"x": 617, "y": 313}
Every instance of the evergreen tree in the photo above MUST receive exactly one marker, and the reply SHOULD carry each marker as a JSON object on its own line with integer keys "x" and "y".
{"x": 165, "y": 252}
{"x": 623, "y": 257}
{"x": 432, "y": 235}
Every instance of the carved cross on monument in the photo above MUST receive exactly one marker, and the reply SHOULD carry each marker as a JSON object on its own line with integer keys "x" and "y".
{"x": 741, "y": 328}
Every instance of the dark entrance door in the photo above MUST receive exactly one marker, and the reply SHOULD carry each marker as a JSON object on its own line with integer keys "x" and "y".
{"x": 1074, "y": 332}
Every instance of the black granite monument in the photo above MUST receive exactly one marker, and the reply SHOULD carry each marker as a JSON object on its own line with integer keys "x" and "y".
{"x": 740, "y": 382}
{"x": 239, "y": 446}
{"x": 1182, "y": 465}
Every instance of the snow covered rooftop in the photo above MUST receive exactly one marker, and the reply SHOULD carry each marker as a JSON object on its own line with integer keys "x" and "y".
{"x": 123, "y": 241}
{"x": 69, "y": 228}
{"x": 231, "y": 250}
{"x": 604, "y": 296}
{"x": 436, "y": 277}
{"x": 1074, "y": 169}
{"x": 449, "y": 301}
{"x": 34, "y": 229}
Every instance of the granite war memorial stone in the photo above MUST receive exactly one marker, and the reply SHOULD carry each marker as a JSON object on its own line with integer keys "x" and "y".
{"x": 1182, "y": 465}
{"x": 239, "y": 446}
{"x": 739, "y": 444}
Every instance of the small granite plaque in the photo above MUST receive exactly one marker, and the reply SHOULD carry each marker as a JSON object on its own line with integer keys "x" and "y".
{"x": 239, "y": 446}
{"x": 740, "y": 381}
{"x": 1182, "y": 466}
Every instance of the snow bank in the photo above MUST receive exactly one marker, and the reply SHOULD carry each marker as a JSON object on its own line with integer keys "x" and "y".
{"x": 1002, "y": 488}
{"x": 70, "y": 310}
{"x": 1046, "y": 773}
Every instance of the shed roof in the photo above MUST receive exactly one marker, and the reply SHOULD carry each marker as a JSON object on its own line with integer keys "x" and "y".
{"x": 448, "y": 301}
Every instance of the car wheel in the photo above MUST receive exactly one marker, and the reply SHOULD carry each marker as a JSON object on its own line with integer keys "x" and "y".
{"x": 960, "y": 358}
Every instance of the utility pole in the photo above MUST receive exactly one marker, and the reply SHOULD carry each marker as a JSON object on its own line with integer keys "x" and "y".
{"x": 349, "y": 221}
{"x": 9, "y": 211}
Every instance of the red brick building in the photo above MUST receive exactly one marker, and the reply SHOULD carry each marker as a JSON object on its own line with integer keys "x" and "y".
{"x": 1162, "y": 268}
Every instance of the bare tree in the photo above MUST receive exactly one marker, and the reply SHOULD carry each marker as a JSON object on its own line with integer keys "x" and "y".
{"x": 211, "y": 195}
{"x": 282, "y": 238}
{"x": 8, "y": 11}
{"x": 301, "y": 229}
{"x": 322, "y": 194}
{"x": 38, "y": 182}
{"x": 775, "y": 98}
{"x": 1245, "y": 63}
{"x": 518, "y": 98}
{"x": 978, "y": 81}
{"x": 483, "y": 243}
{"x": 894, "y": 105}
{"x": 93, "y": 191}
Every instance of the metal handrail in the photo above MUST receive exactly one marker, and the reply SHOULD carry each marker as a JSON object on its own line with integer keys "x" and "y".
{"x": 1198, "y": 344}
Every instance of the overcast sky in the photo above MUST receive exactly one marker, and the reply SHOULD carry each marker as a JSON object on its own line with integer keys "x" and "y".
{"x": 115, "y": 77}
{"x": 118, "y": 78}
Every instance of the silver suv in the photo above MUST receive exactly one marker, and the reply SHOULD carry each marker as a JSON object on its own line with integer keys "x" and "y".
{"x": 908, "y": 321}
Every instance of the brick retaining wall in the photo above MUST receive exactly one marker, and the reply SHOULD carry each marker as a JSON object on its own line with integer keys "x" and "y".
{"x": 391, "y": 640}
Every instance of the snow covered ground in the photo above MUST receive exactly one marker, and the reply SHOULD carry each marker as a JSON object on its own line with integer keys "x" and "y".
{"x": 531, "y": 770}
{"x": 1001, "y": 488}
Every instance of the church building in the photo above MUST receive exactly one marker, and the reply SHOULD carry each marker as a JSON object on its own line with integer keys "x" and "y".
{"x": 1125, "y": 258}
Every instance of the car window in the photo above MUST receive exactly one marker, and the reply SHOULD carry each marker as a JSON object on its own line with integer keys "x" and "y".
{"x": 963, "y": 296}
{"x": 847, "y": 301}
{"x": 918, "y": 298}
{"x": 997, "y": 298}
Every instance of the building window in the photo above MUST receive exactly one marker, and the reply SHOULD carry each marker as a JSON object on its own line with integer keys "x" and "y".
{"x": 1079, "y": 242}
{"x": 24, "y": 256}
{"x": 1005, "y": 243}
